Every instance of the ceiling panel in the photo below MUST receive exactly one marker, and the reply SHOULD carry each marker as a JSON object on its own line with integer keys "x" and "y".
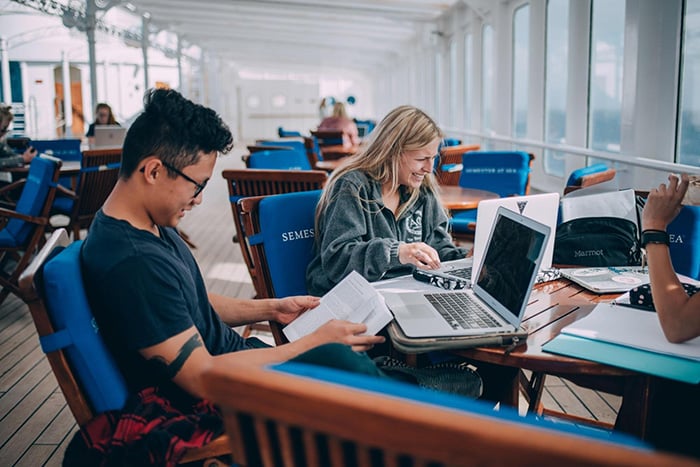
{"x": 339, "y": 34}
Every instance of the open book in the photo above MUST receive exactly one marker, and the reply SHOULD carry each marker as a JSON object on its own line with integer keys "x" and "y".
{"x": 353, "y": 299}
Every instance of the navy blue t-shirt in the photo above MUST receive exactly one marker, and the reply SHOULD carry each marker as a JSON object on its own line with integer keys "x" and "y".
{"x": 144, "y": 290}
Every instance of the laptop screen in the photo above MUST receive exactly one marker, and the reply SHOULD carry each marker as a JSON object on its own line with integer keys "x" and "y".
{"x": 511, "y": 262}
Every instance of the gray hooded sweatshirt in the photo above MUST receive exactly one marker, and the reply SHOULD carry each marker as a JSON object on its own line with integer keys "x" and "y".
{"x": 357, "y": 232}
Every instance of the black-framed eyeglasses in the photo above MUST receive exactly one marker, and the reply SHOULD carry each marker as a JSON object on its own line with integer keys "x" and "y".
{"x": 200, "y": 186}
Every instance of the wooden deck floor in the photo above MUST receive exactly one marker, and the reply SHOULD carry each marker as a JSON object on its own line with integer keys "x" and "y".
{"x": 36, "y": 425}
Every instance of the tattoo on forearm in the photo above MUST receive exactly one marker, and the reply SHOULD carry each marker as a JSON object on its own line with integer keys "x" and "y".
{"x": 171, "y": 369}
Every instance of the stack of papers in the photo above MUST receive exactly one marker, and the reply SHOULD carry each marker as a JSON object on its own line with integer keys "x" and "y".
{"x": 352, "y": 299}
{"x": 631, "y": 339}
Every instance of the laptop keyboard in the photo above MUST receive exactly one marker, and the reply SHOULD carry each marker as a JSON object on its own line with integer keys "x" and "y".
{"x": 460, "y": 311}
{"x": 464, "y": 273}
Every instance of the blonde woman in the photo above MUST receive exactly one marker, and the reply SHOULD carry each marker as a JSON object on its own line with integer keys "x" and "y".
{"x": 380, "y": 213}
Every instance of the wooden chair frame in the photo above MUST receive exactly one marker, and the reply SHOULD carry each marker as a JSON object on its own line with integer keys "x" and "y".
{"x": 261, "y": 182}
{"x": 24, "y": 253}
{"x": 67, "y": 380}
{"x": 99, "y": 172}
{"x": 288, "y": 413}
{"x": 452, "y": 155}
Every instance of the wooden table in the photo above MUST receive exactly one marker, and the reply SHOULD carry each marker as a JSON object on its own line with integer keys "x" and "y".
{"x": 552, "y": 306}
{"x": 329, "y": 165}
{"x": 459, "y": 198}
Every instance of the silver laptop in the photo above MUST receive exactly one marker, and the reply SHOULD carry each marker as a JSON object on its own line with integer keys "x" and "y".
{"x": 499, "y": 296}
{"x": 108, "y": 136}
{"x": 543, "y": 208}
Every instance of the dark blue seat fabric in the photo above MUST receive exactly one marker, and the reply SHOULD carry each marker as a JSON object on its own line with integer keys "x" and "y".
{"x": 451, "y": 142}
{"x": 31, "y": 202}
{"x": 396, "y": 389}
{"x": 284, "y": 133}
{"x": 64, "y": 149}
{"x": 684, "y": 233}
{"x": 77, "y": 332}
{"x": 504, "y": 172}
{"x": 287, "y": 237}
{"x": 578, "y": 174}
{"x": 279, "y": 159}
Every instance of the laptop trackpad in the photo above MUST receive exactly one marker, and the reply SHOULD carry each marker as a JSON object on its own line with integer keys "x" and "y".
{"x": 414, "y": 305}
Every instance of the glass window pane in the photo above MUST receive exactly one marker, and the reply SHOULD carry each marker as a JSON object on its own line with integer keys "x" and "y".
{"x": 607, "y": 51}
{"x": 556, "y": 76}
{"x": 689, "y": 129}
{"x": 521, "y": 47}
{"x": 468, "y": 67}
{"x": 452, "y": 117}
{"x": 487, "y": 77}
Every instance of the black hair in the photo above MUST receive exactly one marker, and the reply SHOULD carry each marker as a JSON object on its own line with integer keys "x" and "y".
{"x": 174, "y": 129}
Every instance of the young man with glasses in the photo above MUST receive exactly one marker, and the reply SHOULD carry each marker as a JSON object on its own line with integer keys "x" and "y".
{"x": 8, "y": 156}
{"x": 150, "y": 301}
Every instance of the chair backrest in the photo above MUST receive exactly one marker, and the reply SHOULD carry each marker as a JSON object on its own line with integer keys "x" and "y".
{"x": 36, "y": 198}
{"x": 303, "y": 415}
{"x": 447, "y": 142}
{"x": 284, "y": 133}
{"x": 279, "y": 230}
{"x": 279, "y": 159}
{"x": 260, "y": 182}
{"x": 65, "y": 149}
{"x": 576, "y": 176}
{"x": 364, "y": 127}
{"x": 84, "y": 368}
{"x": 99, "y": 172}
{"x": 328, "y": 137}
{"x": 294, "y": 144}
{"x": 684, "y": 233}
{"x": 448, "y": 167}
{"x": 504, "y": 172}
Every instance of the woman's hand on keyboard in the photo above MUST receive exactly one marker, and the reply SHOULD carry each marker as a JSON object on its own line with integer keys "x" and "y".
{"x": 419, "y": 254}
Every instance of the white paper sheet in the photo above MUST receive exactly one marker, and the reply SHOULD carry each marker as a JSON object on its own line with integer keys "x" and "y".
{"x": 353, "y": 299}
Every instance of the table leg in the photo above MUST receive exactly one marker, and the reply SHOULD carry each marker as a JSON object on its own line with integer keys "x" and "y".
{"x": 634, "y": 412}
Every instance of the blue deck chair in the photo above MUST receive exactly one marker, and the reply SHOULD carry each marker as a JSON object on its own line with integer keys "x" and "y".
{"x": 279, "y": 159}
{"x": 684, "y": 233}
{"x": 285, "y": 133}
{"x": 279, "y": 230}
{"x": 577, "y": 175}
{"x": 296, "y": 145}
{"x": 26, "y": 224}
{"x": 504, "y": 172}
{"x": 65, "y": 149}
{"x": 84, "y": 368}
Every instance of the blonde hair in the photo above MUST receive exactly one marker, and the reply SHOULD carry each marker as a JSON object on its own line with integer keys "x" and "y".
{"x": 405, "y": 128}
{"x": 339, "y": 110}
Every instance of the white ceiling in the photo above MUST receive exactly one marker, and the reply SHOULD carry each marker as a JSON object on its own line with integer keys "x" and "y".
{"x": 323, "y": 34}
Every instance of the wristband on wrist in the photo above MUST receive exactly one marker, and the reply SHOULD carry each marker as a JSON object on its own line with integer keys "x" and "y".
{"x": 655, "y": 236}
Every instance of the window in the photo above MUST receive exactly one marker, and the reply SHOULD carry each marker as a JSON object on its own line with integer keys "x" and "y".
{"x": 468, "y": 67}
{"x": 689, "y": 117}
{"x": 452, "y": 105}
{"x": 607, "y": 51}
{"x": 437, "y": 83}
{"x": 487, "y": 77}
{"x": 556, "y": 76}
{"x": 521, "y": 47}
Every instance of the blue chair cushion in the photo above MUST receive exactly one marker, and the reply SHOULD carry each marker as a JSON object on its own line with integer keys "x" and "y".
{"x": 462, "y": 220}
{"x": 450, "y": 401}
{"x": 77, "y": 332}
{"x": 684, "y": 234}
{"x": 292, "y": 144}
{"x": 502, "y": 172}
{"x": 287, "y": 235}
{"x": 31, "y": 201}
{"x": 65, "y": 149}
{"x": 576, "y": 175}
{"x": 63, "y": 205}
{"x": 279, "y": 159}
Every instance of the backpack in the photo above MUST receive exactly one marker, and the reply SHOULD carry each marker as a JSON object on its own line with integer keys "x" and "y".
{"x": 598, "y": 229}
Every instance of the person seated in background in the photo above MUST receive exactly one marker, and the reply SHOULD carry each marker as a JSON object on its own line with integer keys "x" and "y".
{"x": 155, "y": 314}
{"x": 103, "y": 116}
{"x": 340, "y": 121}
{"x": 675, "y": 406}
{"x": 8, "y": 156}
{"x": 379, "y": 213}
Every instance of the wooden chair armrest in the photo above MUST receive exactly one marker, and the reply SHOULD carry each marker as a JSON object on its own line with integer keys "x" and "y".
{"x": 215, "y": 448}
{"x": 17, "y": 215}
{"x": 66, "y": 191}
{"x": 13, "y": 185}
